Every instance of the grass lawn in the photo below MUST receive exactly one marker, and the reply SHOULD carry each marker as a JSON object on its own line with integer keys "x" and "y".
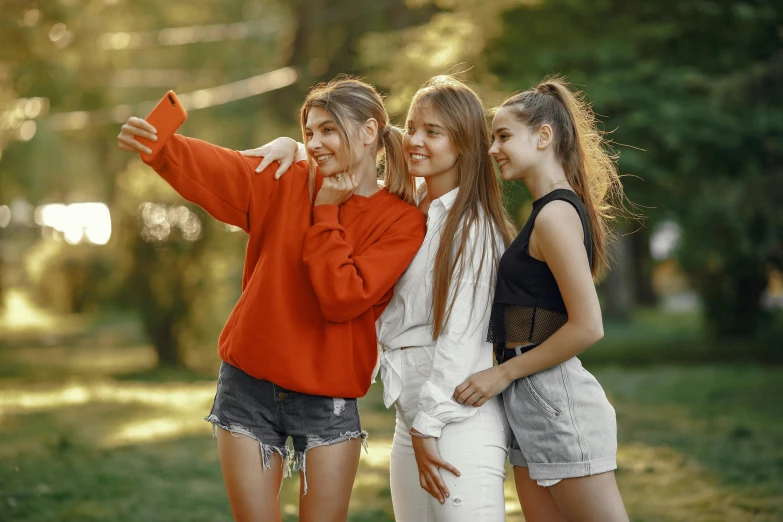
{"x": 89, "y": 433}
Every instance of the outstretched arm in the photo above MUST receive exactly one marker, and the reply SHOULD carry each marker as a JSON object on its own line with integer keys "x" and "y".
{"x": 217, "y": 179}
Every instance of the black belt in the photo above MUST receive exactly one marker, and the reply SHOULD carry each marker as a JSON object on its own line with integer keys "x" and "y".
{"x": 503, "y": 354}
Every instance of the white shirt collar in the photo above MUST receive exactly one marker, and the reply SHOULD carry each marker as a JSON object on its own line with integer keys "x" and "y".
{"x": 447, "y": 199}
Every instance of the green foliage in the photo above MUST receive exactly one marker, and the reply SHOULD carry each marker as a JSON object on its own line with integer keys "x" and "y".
{"x": 697, "y": 86}
{"x": 652, "y": 338}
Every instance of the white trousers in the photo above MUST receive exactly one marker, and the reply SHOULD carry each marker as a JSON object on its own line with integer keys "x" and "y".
{"x": 476, "y": 446}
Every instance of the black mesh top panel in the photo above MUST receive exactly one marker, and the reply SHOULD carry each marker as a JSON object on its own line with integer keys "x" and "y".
{"x": 523, "y": 324}
{"x": 528, "y": 306}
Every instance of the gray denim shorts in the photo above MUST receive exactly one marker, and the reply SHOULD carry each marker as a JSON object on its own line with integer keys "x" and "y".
{"x": 563, "y": 426}
{"x": 261, "y": 410}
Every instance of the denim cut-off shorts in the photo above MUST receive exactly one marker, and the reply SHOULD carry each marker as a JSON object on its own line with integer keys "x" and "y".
{"x": 261, "y": 410}
{"x": 562, "y": 423}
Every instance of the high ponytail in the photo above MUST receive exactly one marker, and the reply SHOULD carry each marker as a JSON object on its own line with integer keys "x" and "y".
{"x": 395, "y": 171}
{"x": 587, "y": 158}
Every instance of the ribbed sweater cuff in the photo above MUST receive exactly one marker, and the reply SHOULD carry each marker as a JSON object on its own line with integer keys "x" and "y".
{"x": 326, "y": 214}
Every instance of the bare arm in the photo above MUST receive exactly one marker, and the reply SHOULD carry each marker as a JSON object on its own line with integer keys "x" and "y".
{"x": 559, "y": 238}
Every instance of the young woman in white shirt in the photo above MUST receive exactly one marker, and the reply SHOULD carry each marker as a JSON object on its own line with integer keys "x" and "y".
{"x": 448, "y": 459}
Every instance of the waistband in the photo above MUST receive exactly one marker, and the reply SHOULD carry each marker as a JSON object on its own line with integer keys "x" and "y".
{"x": 503, "y": 354}
{"x": 385, "y": 348}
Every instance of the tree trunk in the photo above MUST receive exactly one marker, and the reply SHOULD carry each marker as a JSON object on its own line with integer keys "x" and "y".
{"x": 165, "y": 344}
{"x": 643, "y": 264}
{"x": 732, "y": 298}
{"x": 618, "y": 287}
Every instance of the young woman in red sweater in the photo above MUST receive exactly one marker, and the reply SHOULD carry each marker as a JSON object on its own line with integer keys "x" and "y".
{"x": 324, "y": 251}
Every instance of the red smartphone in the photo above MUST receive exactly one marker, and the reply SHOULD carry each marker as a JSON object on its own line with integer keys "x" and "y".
{"x": 166, "y": 117}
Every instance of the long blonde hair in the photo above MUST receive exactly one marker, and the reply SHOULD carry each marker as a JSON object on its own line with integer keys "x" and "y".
{"x": 351, "y": 102}
{"x": 588, "y": 160}
{"x": 478, "y": 205}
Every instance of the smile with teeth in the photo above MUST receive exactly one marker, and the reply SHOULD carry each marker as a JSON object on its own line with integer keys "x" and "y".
{"x": 321, "y": 159}
{"x": 502, "y": 162}
{"x": 418, "y": 157}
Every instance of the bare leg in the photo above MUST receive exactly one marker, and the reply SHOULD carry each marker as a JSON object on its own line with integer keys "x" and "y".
{"x": 330, "y": 471}
{"x": 590, "y": 499}
{"x": 537, "y": 502}
{"x": 252, "y": 491}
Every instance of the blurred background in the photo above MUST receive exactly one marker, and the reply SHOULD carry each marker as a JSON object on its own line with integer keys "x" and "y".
{"x": 113, "y": 289}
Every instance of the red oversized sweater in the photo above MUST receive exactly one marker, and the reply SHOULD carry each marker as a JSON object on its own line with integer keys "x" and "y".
{"x": 315, "y": 278}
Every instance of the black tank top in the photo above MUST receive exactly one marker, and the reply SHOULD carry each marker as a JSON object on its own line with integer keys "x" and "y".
{"x": 528, "y": 307}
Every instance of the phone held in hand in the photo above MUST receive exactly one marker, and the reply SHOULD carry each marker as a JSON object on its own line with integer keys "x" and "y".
{"x": 166, "y": 117}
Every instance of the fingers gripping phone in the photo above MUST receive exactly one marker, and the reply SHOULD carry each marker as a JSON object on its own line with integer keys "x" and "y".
{"x": 166, "y": 117}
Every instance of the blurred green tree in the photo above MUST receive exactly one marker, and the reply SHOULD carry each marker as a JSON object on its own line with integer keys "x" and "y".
{"x": 692, "y": 87}
{"x": 697, "y": 85}
{"x": 181, "y": 269}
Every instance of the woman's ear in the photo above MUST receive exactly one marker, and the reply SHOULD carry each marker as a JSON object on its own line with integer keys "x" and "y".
{"x": 545, "y": 136}
{"x": 369, "y": 131}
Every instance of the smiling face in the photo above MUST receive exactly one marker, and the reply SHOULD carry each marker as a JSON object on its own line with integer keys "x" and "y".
{"x": 429, "y": 150}
{"x": 325, "y": 144}
{"x": 514, "y": 146}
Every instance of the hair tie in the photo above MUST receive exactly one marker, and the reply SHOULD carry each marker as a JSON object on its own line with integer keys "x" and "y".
{"x": 385, "y": 131}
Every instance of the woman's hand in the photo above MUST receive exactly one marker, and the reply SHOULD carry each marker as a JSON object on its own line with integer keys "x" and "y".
{"x": 429, "y": 462}
{"x": 482, "y": 386}
{"x": 134, "y": 127}
{"x": 284, "y": 150}
{"x": 336, "y": 189}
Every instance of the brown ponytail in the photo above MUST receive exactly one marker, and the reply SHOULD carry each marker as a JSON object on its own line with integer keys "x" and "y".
{"x": 588, "y": 160}
{"x": 395, "y": 171}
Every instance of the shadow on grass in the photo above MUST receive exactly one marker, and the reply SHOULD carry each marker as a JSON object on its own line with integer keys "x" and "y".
{"x": 709, "y": 439}
{"x": 167, "y": 374}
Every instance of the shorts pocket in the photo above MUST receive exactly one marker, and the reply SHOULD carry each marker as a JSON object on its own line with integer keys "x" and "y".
{"x": 542, "y": 405}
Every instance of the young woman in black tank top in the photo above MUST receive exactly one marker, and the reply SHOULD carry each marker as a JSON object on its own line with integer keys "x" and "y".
{"x": 546, "y": 309}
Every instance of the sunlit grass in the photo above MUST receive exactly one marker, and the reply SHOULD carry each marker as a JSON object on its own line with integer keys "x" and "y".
{"x": 697, "y": 444}
{"x": 659, "y": 483}
{"x": 176, "y": 396}
{"x": 22, "y": 314}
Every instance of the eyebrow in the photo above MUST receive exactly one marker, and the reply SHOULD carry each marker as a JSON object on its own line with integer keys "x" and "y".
{"x": 501, "y": 129}
{"x": 325, "y": 122}
{"x": 410, "y": 122}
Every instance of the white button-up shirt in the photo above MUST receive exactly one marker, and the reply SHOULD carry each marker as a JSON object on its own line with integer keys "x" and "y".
{"x": 461, "y": 349}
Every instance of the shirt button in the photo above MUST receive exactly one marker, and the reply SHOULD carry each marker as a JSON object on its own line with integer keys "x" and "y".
{"x": 281, "y": 395}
